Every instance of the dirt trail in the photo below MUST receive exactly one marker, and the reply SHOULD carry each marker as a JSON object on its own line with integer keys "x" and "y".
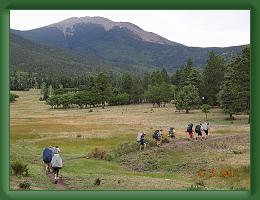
{"x": 60, "y": 185}
{"x": 178, "y": 142}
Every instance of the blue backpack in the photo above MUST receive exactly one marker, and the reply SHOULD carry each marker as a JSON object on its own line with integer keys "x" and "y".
{"x": 47, "y": 155}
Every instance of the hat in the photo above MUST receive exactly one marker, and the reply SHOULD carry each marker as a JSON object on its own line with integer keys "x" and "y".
{"x": 144, "y": 133}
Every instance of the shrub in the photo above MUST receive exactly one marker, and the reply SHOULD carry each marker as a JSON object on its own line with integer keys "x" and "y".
{"x": 165, "y": 140}
{"x": 199, "y": 185}
{"x": 124, "y": 149}
{"x": 25, "y": 185}
{"x": 19, "y": 168}
{"x": 98, "y": 154}
{"x": 97, "y": 181}
{"x": 13, "y": 97}
{"x": 79, "y": 135}
{"x": 90, "y": 110}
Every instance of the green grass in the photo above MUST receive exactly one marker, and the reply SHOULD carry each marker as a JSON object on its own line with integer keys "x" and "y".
{"x": 35, "y": 126}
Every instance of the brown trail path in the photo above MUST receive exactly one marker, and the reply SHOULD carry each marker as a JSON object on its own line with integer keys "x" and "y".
{"x": 60, "y": 185}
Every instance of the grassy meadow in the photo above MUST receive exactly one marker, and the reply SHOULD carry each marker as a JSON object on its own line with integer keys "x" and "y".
{"x": 221, "y": 162}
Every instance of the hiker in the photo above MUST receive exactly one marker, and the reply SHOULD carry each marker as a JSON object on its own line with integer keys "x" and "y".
{"x": 205, "y": 127}
{"x": 47, "y": 157}
{"x": 157, "y": 135}
{"x": 56, "y": 149}
{"x": 171, "y": 134}
{"x": 198, "y": 131}
{"x": 190, "y": 130}
{"x": 142, "y": 141}
{"x": 56, "y": 164}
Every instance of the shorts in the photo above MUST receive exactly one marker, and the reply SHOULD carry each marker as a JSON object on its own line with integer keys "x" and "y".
{"x": 190, "y": 134}
{"x": 142, "y": 142}
{"x": 206, "y": 132}
{"x": 56, "y": 170}
{"x": 199, "y": 133}
{"x": 47, "y": 162}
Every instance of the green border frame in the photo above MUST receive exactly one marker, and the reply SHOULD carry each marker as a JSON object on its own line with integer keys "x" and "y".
{"x": 7, "y": 5}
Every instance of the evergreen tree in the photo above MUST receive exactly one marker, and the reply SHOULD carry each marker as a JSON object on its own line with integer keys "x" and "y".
{"x": 212, "y": 78}
{"x": 103, "y": 88}
{"x": 234, "y": 96}
{"x": 187, "y": 98}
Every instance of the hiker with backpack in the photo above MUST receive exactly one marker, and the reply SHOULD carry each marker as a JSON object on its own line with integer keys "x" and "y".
{"x": 47, "y": 157}
{"x": 157, "y": 135}
{"x": 56, "y": 164}
{"x": 205, "y": 127}
{"x": 198, "y": 130}
{"x": 190, "y": 130}
{"x": 141, "y": 140}
{"x": 171, "y": 134}
{"x": 56, "y": 149}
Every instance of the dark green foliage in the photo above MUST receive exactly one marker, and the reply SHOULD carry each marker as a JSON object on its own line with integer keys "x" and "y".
{"x": 158, "y": 94}
{"x": 119, "y": 99}
{"x": 103, "y": 88}
{"x": 187, "y": 98}
{"x": 212, "y": 78}
{"x": 116, "y": 47}
{"x": 19, "y": 169}
{"x": 187, "y": 75}
{"x": 20, "y": 80}
{"x": 205, "y": 108}
{"x": 25, "y": 185}
{"x": 13, "y": 97}
{"x": 234, "y": 96}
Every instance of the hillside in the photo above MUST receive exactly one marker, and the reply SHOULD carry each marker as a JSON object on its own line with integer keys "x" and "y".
{"x": 30, "y": 56}
{"x": 121, "y": 43}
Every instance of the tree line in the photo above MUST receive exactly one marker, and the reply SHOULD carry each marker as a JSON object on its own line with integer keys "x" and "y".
{"x": 222, "y": 83}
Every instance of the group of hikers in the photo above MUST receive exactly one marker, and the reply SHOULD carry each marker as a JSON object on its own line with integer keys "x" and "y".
{"x": 158, "y": 134}
{"x": 52, "y": 161}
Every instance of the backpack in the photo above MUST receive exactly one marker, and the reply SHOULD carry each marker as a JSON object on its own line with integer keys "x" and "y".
{"x": 47, "y": 154}
{"x": 156, "y": 134}
{"x": 197, "y": 128}
{"x": 138, "y": 137}
{"x": 56, "y": 161}
{"x": 189, "y": 128}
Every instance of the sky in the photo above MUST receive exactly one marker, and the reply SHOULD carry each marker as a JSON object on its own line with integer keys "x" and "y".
{"x": 196, "y": 28}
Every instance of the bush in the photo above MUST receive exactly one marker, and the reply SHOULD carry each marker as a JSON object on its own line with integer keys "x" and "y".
{"x": 19, "y": 168}
{"x": 124, "y": 149}
{"x": 165, "y": 140}
{"x": 25, "y": 185}
{"x": 90, "y": 110}
{"x": 98, "y": 154}
{"x": 97, "y": 181}
{"x": 79, "y": 135}
{"x": 199, "y": 185}
{"x": 13, "y": 97}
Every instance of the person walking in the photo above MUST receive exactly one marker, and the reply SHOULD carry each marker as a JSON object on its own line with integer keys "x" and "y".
{"x": 171, "y": 134}
{"x": 205, "y": 128}
{"x": 142, "y": 141}
{"x": 47, "y": 155}
{"x": 190, "y": 130}
{"x": 56, "y": 164}
{"x": 198, "y": 130}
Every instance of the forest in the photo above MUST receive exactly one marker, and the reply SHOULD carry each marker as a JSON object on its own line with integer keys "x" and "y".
{"x": 223, "y": 83}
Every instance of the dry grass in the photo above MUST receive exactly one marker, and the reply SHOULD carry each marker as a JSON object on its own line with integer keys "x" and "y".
{"x": 34, "y": 125}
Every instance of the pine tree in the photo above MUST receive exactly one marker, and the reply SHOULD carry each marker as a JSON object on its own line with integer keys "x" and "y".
{"x": 212, "y": 78}
{"x": 187, "y": 98}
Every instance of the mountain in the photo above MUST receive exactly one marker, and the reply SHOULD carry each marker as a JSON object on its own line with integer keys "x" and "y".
{"x": 120, "y": 43}
{"x": 27, "y": 55}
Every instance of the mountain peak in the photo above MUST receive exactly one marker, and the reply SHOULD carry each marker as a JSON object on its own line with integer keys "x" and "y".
{"x": 66, "y": 26}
